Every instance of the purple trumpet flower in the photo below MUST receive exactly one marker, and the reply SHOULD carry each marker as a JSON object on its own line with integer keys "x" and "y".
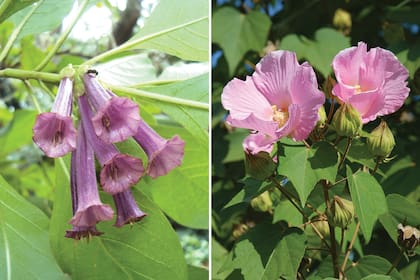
{"x": 89, "y": 210}
{"x": 117, "y": 118}
{"x": 128, "y": 211}
{"x": 164, "y": 155}
{"x": 54, "y": 132}
{"x": 119, "y": 171}
{"x": 76, "y": 232}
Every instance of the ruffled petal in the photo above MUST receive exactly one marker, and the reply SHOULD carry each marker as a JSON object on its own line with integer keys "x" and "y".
{"x": 368, "y": 105}
{"x": 254, "y": 123}
{"x": 347, "y": 62}
{"x": 273, "y": 75}
{"x": 258, "y": 142}
{"x": 242, "y": 99}
{"x": 292, "y": 123}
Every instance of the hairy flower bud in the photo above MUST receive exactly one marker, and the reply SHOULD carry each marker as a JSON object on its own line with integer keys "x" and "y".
{"x": 262, "y": 203}
{"x": 341, "y": 213}
{"x": 381, "y": 141}
{"x": 322, "y": 118}
{"x": 347, "y": 121}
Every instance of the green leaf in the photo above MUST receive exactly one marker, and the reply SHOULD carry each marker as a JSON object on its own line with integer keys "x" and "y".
{"x": 265, "y": 252}
{"x": 407, "y": 14}
{"x": 218, "y": 255}
{"x": 320, "y": 51}
{"x": 197, "y": 273}
{"x": 368, "y": 198}
{"x": 194, "y": 120}
{"x": 48, "y": 15}
{"x": 178, "y": 28}
{"x": 285, "y": 211}
{"x": 149, "y": 249}
{"x": 369, "y": 265}
{"x": 252, "y": 188}
{"x": 31, "y": 56}
{"x": 377, "y": 277}
{"x": 15, "y": 6}
{"x": 245, "y": 33}
{"x": 183, "y": 193}
{"x": 305, "y": 167}
{"x": 19, "y": 133}
{"x": 24, "y": 247}
{"x": 127, "y": 70}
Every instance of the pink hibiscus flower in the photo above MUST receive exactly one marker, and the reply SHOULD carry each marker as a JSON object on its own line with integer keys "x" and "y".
{"x": 373, "y": 82}
{"x": 280, "y": 99}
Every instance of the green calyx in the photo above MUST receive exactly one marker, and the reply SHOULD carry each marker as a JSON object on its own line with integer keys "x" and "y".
{"x": 347, "y": 121}
{"x": 259, "y": 166}
{"x": 381, "y": 140}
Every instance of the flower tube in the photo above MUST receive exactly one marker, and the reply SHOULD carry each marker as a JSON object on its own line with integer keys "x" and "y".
{"x": 119, "y": 171}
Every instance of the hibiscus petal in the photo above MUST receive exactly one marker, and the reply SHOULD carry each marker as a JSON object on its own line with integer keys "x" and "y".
{"x": 241, "y": 98}
{"x": 346, "y": 64}
{"x": 368, "y": 105}
{"x": 273, "y": 74}
{"x": 254, "y": 123}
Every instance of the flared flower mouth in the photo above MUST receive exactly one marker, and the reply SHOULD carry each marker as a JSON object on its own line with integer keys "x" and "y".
{"x": 78, "y": 233}
{"x": 167, "y": 158}
{"x": 127, "y": 210}
{"x": 90, "y": 216}
{"x": 117, "y": 120}
{"x": 120, "y": 173}
{"x": 54, "y": 134}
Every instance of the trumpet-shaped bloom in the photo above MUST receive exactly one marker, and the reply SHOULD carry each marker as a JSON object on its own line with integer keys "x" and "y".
{"x": 54, "y": 132}
{"x": 373, "y": 82}
{"x": 163, "y": 154}
{"x": 117, "y": 118}
{"x": 127, "y": 210}
{"x": 119, "y": 171}
{"x": 280, "y": 99}
{"x": 87, "y": 206}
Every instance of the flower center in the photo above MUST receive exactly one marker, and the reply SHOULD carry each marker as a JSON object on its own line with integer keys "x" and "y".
{"x": 57, "y": 138}
{"x": 113, "y": 172}
{"x": 280, "y": 115}
{"x": 106, "y": 122}
{"x": 357, "y": 89}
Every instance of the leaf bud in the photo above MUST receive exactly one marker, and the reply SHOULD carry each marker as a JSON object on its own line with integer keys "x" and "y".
{"x": 347, "y": 121}
{"x": 321, "y": 225}
{"x": 381, "y": 140}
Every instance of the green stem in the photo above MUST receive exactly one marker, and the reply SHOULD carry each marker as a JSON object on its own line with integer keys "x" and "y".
{"x": 159, "y": 97}
{"x": 4, "y": 5}
{"x": 396, "y": 261}
{"x": 16, "y": 32}
{"x": 33, "y": 97}
{"x": 333, "y": 246}
{"x": 353, "y": 239}
{"x": 346, "y": 152}
{"x": 131, "y": 43}
{"x": 28, "y": 74}
{"x": 62, "y": 38}
{"x": 378, "y": 161}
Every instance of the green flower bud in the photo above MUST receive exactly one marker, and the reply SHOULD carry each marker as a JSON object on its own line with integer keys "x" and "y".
{"x": 342, "y": 20}
{"x": 68, "y": 71}
{"x": 341, "y": 212}
{"x": 321, "y": 224}
{"x": 322, "y": 118}
{"x": 347, "y": 121}
{"x": 262, "y": 203}
{"x": 381, "y": 140}
{"x": 259, "y": 166}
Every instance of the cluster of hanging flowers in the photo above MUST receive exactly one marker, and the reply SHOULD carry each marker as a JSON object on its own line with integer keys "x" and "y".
{"x": 105, "y": 119}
